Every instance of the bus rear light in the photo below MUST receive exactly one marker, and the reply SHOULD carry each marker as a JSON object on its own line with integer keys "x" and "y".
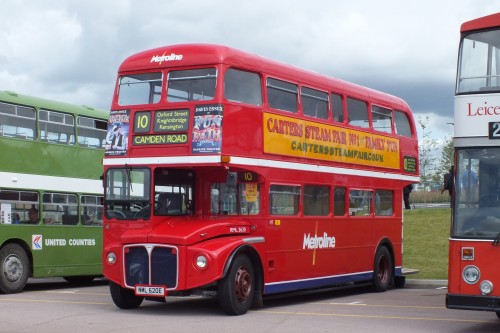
{"x": 486, "y": 287}
{"x": 225, "y": 159}
{"x": 111, "y": 257}
{"x": 467, "y": 253}
{"x": 471, "y": 274}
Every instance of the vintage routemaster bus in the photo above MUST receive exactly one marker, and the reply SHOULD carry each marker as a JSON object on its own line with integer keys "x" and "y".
{"x": 473, "y": 276}
{"x": 50, "y": 190}
{"x": 238, "y": 176}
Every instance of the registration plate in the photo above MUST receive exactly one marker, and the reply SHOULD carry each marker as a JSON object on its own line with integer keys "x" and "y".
{"x": 159, "y": 291}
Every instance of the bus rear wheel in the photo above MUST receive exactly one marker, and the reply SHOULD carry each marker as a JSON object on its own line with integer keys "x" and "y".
{"x": 236, "y": 289}
{"x": 124, "y": 298}
{"x": 14, "y": 268}
{"x": 383, "y": 271}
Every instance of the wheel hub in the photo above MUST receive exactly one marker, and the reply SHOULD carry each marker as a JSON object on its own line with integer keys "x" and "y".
{"x": 243, "y": 285}
{"x": 12, "y": 268}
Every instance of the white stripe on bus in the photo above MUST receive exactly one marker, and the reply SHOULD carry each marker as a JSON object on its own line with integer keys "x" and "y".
{"x": 257, "y": 162}
{"x": 50, "y": 183}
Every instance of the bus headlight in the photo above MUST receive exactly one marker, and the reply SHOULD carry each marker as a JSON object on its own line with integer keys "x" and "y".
{"x": 201, "y": 262}
{"x": 471, "y": 274}
{"x": 486, "y": 287}
{"x": 111, "y": 257}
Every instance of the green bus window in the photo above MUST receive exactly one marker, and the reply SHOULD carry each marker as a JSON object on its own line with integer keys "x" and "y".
{"x": 60, "y": 209}
{"x": 91, "y": 209}
{"x": 17, "y": 121}
{"x": 22, "y": 205}
{"x": 284, "y": 200}
{"x": 57, "y": 127}
{"x": 91, "y": 132}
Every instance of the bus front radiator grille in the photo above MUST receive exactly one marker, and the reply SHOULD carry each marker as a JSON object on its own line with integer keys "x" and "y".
{"x": 151, "y": 265}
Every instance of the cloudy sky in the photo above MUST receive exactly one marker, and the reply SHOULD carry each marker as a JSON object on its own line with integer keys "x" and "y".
{"x": 70, "y": 50}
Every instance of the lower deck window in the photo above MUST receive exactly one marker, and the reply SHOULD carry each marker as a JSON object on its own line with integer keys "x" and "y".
{"x": 284, "y": 200}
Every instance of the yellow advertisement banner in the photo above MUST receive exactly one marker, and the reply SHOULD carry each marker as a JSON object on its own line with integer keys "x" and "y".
{"x": 301, "y": 138}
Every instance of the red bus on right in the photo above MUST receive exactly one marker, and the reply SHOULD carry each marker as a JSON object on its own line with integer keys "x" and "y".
{"x": 474, "y": 251}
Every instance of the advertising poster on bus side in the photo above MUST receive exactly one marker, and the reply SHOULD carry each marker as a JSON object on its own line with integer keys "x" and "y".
{"x": 117, "y": 135}
{"x": 207, "y": 130}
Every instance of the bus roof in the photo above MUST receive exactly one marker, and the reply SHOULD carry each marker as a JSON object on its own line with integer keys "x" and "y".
{"x": 83, "y": 110}
{"x": 484, "y": 22}
{"x": 209, "y": 54}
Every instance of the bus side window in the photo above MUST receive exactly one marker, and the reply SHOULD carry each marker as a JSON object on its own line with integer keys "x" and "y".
{"x": 401, "y": 124}
{"x": 316, "y": 200}
{"x": 383, "y": 203}
{"x": 337, "y": 108}
{"x": 282, "y": 95}
{"x": 242, "y": 87}
{"x": 357, "y": 113}
{"x": 314, "y": 103}
{"x": 284, "y": 200}
{"x": 339, "y": 201}
{"x": 382, "y": 119}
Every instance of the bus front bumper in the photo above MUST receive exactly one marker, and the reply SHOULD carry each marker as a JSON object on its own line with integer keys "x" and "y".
{"x": 471, "y": 302}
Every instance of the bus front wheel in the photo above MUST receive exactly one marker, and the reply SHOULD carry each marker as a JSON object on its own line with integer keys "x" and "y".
{"x": 383, "y": 271}
{"x": 236, "y": 289}
{"x": 14, "y": 268}
{"x": 124, "y": 298}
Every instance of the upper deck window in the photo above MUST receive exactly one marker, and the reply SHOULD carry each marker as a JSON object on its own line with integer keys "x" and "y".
{"x": 137, "y": 89}
{"x": 282, "y": 95}
{"x": 17, "y": 121}
{"x": 91, "y": 132}
{"x": 314, "y": 103}
{"x": 242, "y": 87}
{"x": 192, "y": 85}
{"x": 57, "y": 127}
{"x": 357, "y": 113}
{"x": 382, "y": 119}
{"x": 337, "y": 108}
{"x": 479, "y": 62}
{"x": 402, "y": 124}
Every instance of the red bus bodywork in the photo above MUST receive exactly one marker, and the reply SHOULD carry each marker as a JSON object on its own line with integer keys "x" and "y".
{"x": 473, "y": 278}
{"x": 267, "y": 148}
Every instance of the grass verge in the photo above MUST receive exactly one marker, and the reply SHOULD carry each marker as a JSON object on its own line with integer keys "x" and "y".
{"x": 425, "y": 241}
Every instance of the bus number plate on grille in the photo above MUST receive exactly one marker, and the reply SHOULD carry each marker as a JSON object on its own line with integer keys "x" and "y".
{"x": 159, "y": 291}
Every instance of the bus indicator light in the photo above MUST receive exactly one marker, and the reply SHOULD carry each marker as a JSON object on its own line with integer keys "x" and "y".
{"x": 467, "y": 253}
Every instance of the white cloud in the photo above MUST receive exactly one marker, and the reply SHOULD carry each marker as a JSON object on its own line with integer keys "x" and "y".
{"x": 70, "y": 50}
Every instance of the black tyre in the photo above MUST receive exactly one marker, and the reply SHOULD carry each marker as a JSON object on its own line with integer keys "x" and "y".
{"x": 124, "y": 298}
{"x": 14, "y": 268}
{"x": 383, "y": 272}
{"x": 236, "y": 289}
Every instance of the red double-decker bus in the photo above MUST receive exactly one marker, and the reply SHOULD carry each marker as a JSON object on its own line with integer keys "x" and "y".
{"x": 233, "y": 175}
{"x": 473, "y": 277}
